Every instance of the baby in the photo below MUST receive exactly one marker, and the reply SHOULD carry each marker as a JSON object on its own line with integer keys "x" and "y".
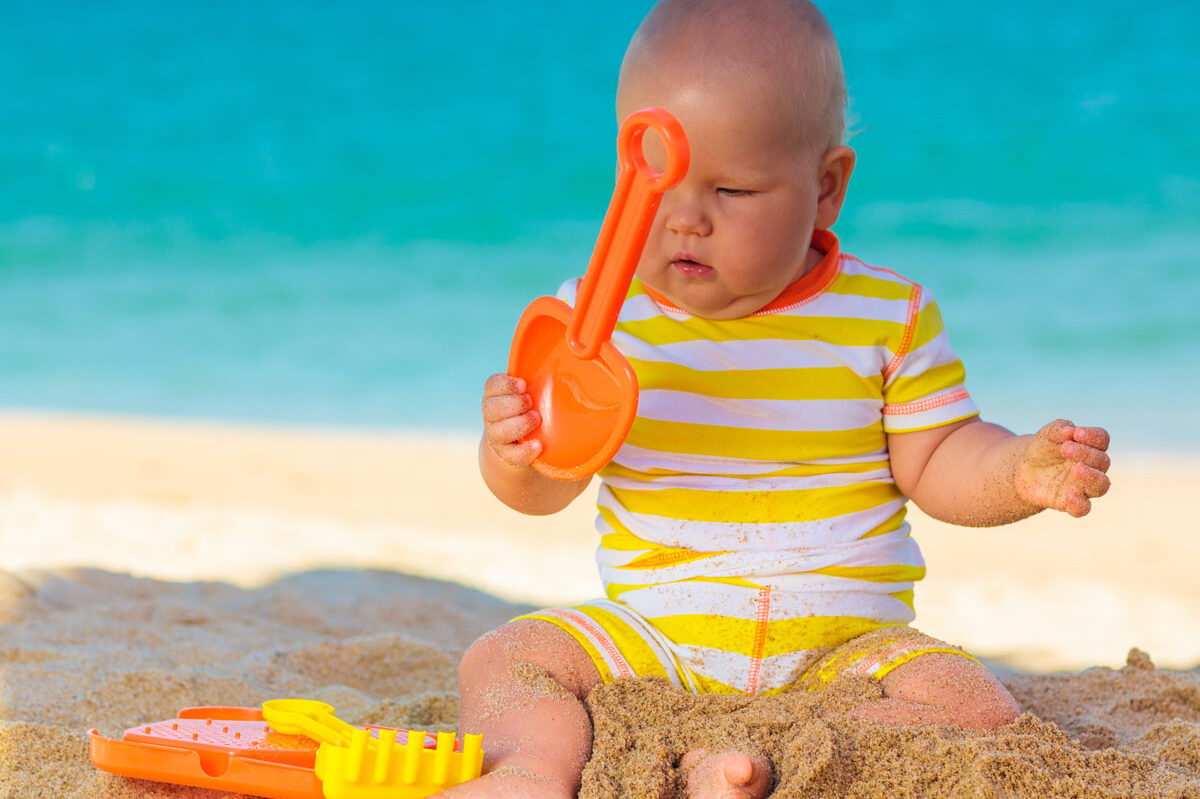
{"x": 793, "y": 399}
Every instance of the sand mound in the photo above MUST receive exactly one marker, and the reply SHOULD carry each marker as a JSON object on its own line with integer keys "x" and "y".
{"x": 1132, "y": 732}
{"x": 88, "y": 648}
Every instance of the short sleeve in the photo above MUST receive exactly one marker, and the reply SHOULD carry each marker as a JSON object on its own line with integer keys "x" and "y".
{"x": 924, "y": 382}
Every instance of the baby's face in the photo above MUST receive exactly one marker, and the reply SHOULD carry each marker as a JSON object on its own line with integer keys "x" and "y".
{"x": 736, "y": 232}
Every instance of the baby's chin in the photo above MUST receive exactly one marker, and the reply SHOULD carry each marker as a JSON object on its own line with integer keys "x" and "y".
{"x": 719, "y": 308}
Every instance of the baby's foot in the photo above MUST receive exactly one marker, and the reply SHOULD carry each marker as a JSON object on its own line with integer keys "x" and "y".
{"x": 508, "y": 782}
{"x": 726, "y": 775}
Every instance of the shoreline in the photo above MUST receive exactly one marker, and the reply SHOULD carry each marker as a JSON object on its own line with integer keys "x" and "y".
{"x": 248, "y": 504}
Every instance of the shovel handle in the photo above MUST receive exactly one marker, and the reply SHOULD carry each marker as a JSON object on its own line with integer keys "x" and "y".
{"x": 307, "y": 717}
{"x": 626, "y": 226}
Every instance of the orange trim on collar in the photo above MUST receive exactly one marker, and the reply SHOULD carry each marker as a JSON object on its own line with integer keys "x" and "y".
{"x": 810, "y": 283}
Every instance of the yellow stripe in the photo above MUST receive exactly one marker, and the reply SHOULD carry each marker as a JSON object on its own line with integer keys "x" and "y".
{"x": 715, "y": 632}
{"x": 842, "y": 331}
{"x": 750, "y": 444}
{"x": 790, "y": 635}
{"x": 832, "y": 382}
{"x": 891, "y": 666}
{"x": 891, "y": 573}
{"x": 624, "y": 541}
{"x": 667, "y": 556}
{"x": 929, "y": 326}
{"x": 783, "y": 635}
{"x": 889, "y": 524}
{"x": 757, "y": 507}
{"x": 610, "y": 517}
{"x": 606, "y": 674}
{"x": 614, "y": 469}
{"x": 871, "y": 286}
{"x": 628, "y": 641}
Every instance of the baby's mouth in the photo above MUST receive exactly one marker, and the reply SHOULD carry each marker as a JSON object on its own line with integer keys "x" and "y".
{"x": 689, "y": 267}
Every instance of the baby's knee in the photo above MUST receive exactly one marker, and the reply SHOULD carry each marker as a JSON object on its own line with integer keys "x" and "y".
{"x": 524, "y": 643}
{"x": 965, "y": 693}
{"x": 994, "y": 708}
{"x": 985, "y": 703}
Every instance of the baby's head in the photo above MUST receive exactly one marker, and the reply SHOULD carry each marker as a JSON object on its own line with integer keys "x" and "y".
{"x": 759, "y": 89}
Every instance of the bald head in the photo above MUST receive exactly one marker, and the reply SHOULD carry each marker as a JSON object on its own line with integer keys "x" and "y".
{"x": 781, "y": 50}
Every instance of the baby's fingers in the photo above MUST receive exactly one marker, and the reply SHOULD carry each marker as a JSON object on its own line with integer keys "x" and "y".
{"x": 505, "y": 439}
{"x": 1096, "y": 437}
{"x": 1077, "y": 505}
{"x": 509, "y": 417}
{"x": 504, "y": 406}
{"x": 501, "y": 384}
{"x": 1093, "y": 482}
{"x": 1088, "y": 484}
{"x": 511, "y": 429}
{"x": 1087, "y": 455}
{"x": 518, "y": 454}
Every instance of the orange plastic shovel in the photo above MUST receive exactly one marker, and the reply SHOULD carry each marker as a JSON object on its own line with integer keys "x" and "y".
{"x": 585, "y": 391}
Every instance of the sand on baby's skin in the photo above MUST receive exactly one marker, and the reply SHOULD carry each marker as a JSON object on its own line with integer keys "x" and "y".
{"x": 287, "y": 563}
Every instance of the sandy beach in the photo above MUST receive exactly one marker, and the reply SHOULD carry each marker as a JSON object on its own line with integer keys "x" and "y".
{"x": 151, "y": 565}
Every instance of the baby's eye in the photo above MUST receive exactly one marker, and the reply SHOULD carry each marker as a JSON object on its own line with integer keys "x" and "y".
{"x": 729, "y": 191}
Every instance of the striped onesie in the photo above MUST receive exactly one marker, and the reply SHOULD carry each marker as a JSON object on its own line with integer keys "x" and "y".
{"x": 750, "y": 526}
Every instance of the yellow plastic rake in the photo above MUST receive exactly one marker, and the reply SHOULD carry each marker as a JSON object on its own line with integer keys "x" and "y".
{"x": 353, "y": 764}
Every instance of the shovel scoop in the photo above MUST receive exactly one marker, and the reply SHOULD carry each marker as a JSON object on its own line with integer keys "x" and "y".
{"x": 583, "y": 388}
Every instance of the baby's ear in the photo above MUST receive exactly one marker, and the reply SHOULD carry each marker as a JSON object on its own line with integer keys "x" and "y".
{"x": 836, "y": 165}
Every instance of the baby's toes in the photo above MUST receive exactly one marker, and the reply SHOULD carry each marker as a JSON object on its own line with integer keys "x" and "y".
{"x": 727, "y": 775}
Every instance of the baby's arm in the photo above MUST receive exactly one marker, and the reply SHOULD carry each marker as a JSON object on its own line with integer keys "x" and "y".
{"x": 505, "y": 461}
{"x": 978, "y": 474}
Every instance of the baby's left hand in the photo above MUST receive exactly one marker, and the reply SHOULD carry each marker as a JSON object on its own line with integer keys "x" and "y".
{"x": 1064, "y": 468}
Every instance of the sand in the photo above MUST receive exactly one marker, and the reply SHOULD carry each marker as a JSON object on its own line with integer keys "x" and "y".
{"x": 150, "y": 566}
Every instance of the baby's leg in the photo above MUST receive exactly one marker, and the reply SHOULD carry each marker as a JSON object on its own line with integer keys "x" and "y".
{"x": 522, "y": 687}
{"x": 941, "y": 688}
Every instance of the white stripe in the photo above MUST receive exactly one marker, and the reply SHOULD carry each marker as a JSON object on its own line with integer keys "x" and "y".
{"x": 644, "y": 460}
{"x": 634, "y": 309}
{"x": 731, "y": 668}
{"x": 786, "y": 668}
{"x": 638, "y": 308}
{"x": 759, "y": 414}
{"x": 738, "y": 354}
{"x": 852, "y": 266}
{"x": 857, "y": 307}
{"x": 961, "y": 409}
{"x": 568, "y": 291}
{"x": 932, "y": 354}
{"x": 884, "y": 550}
{"x": 739, "y": 602}
{"x": 658, "y": 643}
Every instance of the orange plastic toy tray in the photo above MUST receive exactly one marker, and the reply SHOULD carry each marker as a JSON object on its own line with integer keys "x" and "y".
{"x": 225, "y": 748}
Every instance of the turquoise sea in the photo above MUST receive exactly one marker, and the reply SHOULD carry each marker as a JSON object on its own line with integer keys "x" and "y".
{"x": 333, "y": 214}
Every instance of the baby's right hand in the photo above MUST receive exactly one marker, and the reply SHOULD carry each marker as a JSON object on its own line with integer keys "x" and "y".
{"x": 508, "y": 417}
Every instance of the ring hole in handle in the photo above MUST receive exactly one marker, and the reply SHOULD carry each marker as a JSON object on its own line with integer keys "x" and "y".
{"x": 631, "y": 151}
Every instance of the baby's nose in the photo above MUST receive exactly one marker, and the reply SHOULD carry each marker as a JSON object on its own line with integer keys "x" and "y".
{"x": 685, "y": 215}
